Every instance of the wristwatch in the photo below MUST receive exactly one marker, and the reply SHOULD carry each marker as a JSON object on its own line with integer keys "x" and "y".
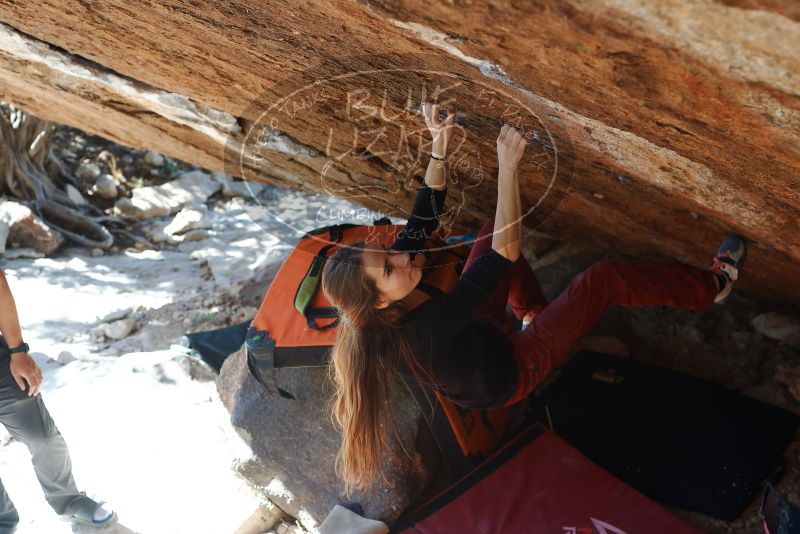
{"x": 22, "y": 347}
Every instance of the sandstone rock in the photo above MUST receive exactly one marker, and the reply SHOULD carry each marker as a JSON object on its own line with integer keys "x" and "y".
{"x": 87, "y": 172}
{"x": 190, "y": 218}
{"x": 191, "y": 188}
{"x": 75, "y": 196}
{"x": 297, "y": 472}
{"x": 153, "y": 158}
{"x": 20, "y": 226}
{"x": 646, "y": 137}
{"x": 119, "y": 329}
{"x": 779, "y": 327}
{"x": 105, "y": 187}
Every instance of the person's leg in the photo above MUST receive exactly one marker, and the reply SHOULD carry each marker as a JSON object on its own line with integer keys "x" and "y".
{"x": 9, "y": 518}
{"x": 28, "y": 420}
{"x": 630, "y": 284}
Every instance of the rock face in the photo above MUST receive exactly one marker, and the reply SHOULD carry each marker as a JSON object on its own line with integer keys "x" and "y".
{"x": 656, "y": 126}
{"x": 295, "y": 444}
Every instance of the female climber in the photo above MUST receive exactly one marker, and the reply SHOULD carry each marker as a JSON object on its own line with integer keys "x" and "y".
{"x": 459, "y": 343}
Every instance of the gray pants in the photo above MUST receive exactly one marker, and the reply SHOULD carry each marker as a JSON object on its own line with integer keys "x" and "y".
{"x": 27, "y": 419}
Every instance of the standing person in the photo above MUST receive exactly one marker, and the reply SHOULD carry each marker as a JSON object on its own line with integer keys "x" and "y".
{"x": 459, "y": 343}
{"x": 23, "y": 413}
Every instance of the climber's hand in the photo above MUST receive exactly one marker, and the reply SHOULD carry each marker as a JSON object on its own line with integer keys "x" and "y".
{"x": 510, "y": 148}
{"x": 441, "y": 130}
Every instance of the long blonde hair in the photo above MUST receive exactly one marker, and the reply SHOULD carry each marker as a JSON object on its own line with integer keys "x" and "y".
{"x": 369, "y": 345}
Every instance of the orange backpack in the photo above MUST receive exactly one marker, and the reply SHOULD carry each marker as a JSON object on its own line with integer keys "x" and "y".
{"x": 296, "y": 327}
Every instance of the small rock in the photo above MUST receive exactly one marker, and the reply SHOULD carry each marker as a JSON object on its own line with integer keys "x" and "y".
{"x": 779, "y": 327}
{"x": 105, "y": 187}
{"x": 87, "y": 172}
{"x": 154, "y": 158}
{"x": 191, "y": 188}
{"x": 68, "y": 154}
{"x": 65, "y": 357}
{"x": 119, "y": 329}
{"x": 75, "y": 196}
{"x": 116, "y": 315}
{"x": 195, "y": 235}
{"x": 192, "y": 218}
{"x": 19, "y": 225}
{"x": 97, "y": 252}
{"x": 231, "y": 188}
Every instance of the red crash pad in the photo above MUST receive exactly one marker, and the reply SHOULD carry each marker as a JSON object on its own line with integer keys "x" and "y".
{"x": 539, "y": 483}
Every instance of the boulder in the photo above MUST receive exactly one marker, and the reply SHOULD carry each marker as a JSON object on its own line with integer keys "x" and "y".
{"x": 295, "y": 444}
{"x": 21, "y": 227}
{"x": 640, "y": 138}
{"x": 190, "y": 188}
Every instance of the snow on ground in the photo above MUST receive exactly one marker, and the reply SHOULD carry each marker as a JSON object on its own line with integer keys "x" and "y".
{"x": 143, "y": 435}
